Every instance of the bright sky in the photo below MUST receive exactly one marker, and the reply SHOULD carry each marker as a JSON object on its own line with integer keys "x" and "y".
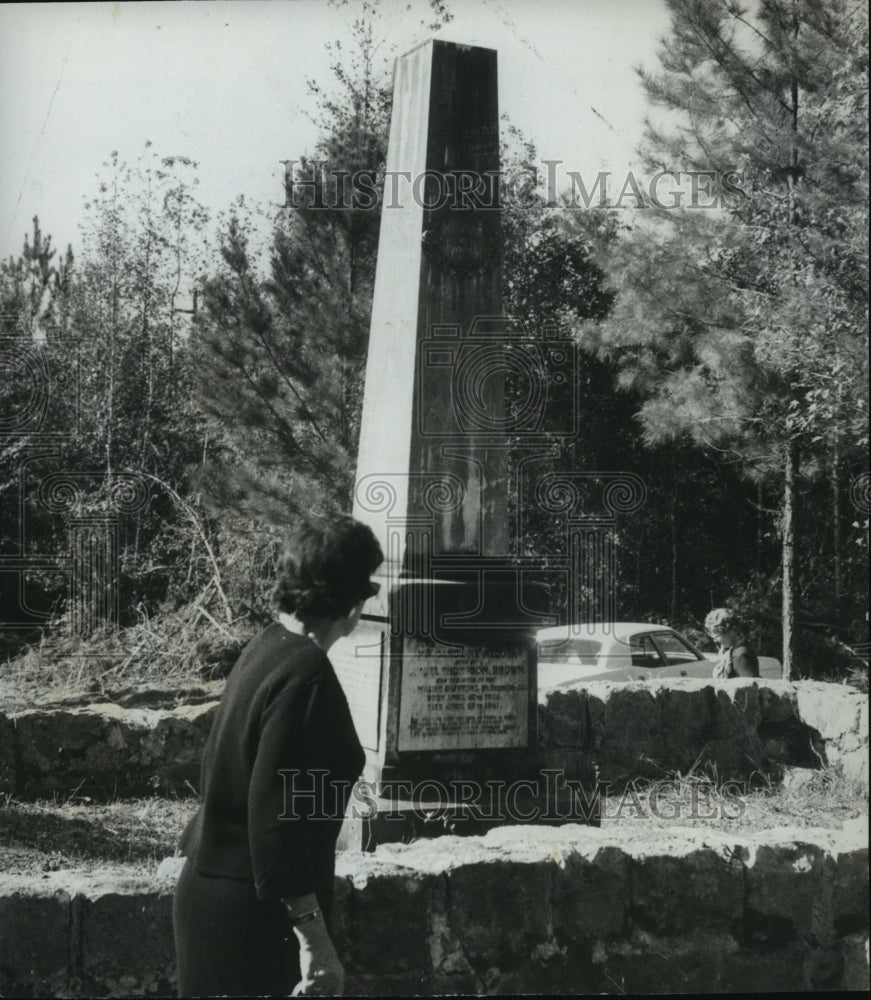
{"x": 225, "y": 84}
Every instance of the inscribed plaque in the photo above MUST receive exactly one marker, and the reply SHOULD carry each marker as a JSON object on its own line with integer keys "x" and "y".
{"x": 463, "y": 698}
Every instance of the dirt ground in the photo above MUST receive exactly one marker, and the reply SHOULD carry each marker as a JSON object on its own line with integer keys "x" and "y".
{"x": 137, "y": 834}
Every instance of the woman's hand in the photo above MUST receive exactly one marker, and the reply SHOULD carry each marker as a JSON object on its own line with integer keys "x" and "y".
{"x": 322, "y": 972}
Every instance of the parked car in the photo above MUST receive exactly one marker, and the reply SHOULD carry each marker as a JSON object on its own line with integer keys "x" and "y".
{"x": 624, "y": 651}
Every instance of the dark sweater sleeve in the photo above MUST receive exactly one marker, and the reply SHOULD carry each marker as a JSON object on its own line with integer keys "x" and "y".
{"x": 745, "y": 663}
{"x": 277, "y": 827}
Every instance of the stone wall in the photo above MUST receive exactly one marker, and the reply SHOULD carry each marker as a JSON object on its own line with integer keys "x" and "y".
{"x": 557, "y": 909}
{"x": 103, "y": 751}
{"x": 562, "y": 910}
{"x": 618, "y": 731}
{"x": 734, "y": 728}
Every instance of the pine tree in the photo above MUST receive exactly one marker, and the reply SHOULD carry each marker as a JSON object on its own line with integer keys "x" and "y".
{"x": 33, "y": 289}
{"x": 34, "y": 301}
{"x": 282, "y": 355}
{"x": 108, "y": 344}
{"x": 744, "y": 325}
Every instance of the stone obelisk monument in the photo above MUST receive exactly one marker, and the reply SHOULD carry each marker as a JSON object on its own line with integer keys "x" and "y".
{"x": 441, "y": 673}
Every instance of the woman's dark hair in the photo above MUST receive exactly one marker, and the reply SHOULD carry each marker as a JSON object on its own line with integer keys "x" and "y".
{"x": 325, "y": 567}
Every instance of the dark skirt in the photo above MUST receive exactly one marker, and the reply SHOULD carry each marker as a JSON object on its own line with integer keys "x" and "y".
{"x": 227, "y": 942}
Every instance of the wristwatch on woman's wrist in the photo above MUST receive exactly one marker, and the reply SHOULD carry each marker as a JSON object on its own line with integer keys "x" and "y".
{"x": 304, "y": 918}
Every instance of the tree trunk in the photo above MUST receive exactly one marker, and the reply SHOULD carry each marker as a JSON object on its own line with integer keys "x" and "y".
{"x": 787, "y": 526}
{"x": 674, "y": 559}
{"x": 760, "y": 532}
{"x": 638, "y": 565}
{"x": 837, "y": 582}
{"x": 787, "y": 532}
{"x": 110, "y": 407}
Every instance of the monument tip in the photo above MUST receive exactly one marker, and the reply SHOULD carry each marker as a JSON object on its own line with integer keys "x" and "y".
{"x": 461, "y": 46}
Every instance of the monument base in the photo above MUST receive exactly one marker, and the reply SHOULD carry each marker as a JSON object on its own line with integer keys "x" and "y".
{"x": 390, "y": 821}
{"x": 441, "y": 678}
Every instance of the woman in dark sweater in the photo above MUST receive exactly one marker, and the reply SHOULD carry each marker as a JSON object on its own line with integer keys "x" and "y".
{"x": 251, "y": 908}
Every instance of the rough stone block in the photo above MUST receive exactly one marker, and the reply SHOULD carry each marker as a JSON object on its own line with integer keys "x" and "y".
{"x": 8, "y": 756}
{"x": 777, "y": 702}
{"x": 832, "y": 709}
{"x": 64, "y": 750}
{"x": 180, "y": 739}
{"x": 548, "y": 975}
{"x": 782, "y": 884}
{"x": 674, "y": 895}
{"x": 590, "y": 896}
{"x": 593, "y": 703}
{"x": 619, "y": 763}
{"x": 735, "y": 757}
{"x": 631, "y": 744}
{"x": 765, "y": 970}
{"x": 686, "y": 721}
{"x": 360, "y": 984}
{"x": 50, "y": 748}
{"x": 862, "y": 721}
{"x": 856, "y": 976}
{"x": 854, "y": 765}
{"x": 106, "y": 750}
{"x": 850, "y": 890}
{"x": 736, "y": 710}
{"x": 632, "y": 711}
{"x": 35, "y": 953}
{"x": 479, "y": 891}
{"x": 340, "y": 922}
{"x": 562, "y": 720}
{"x": 387, "y": 923}
{"x": 736, "y": 728}
{"x": 645, "y": 963}
{"x": 127, "y": 944}
{"x": 574, "y": 765}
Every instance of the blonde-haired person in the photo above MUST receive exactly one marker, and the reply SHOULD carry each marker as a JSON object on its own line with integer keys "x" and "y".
{"x": 737, "y": 657}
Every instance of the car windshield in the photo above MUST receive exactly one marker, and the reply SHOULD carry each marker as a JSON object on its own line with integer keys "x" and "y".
{"x": 655, "y": 647}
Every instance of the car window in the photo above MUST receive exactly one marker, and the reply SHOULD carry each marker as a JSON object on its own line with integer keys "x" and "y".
{"x": 674, "y": 650}
{"x": 576, "y": 650}
{"x": 644, "y": 653}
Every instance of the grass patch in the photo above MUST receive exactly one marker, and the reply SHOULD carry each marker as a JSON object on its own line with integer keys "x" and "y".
{"x": 174, "y": 651}
{"x": 806, "y": 798}
{"x": 47, "y": 836}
